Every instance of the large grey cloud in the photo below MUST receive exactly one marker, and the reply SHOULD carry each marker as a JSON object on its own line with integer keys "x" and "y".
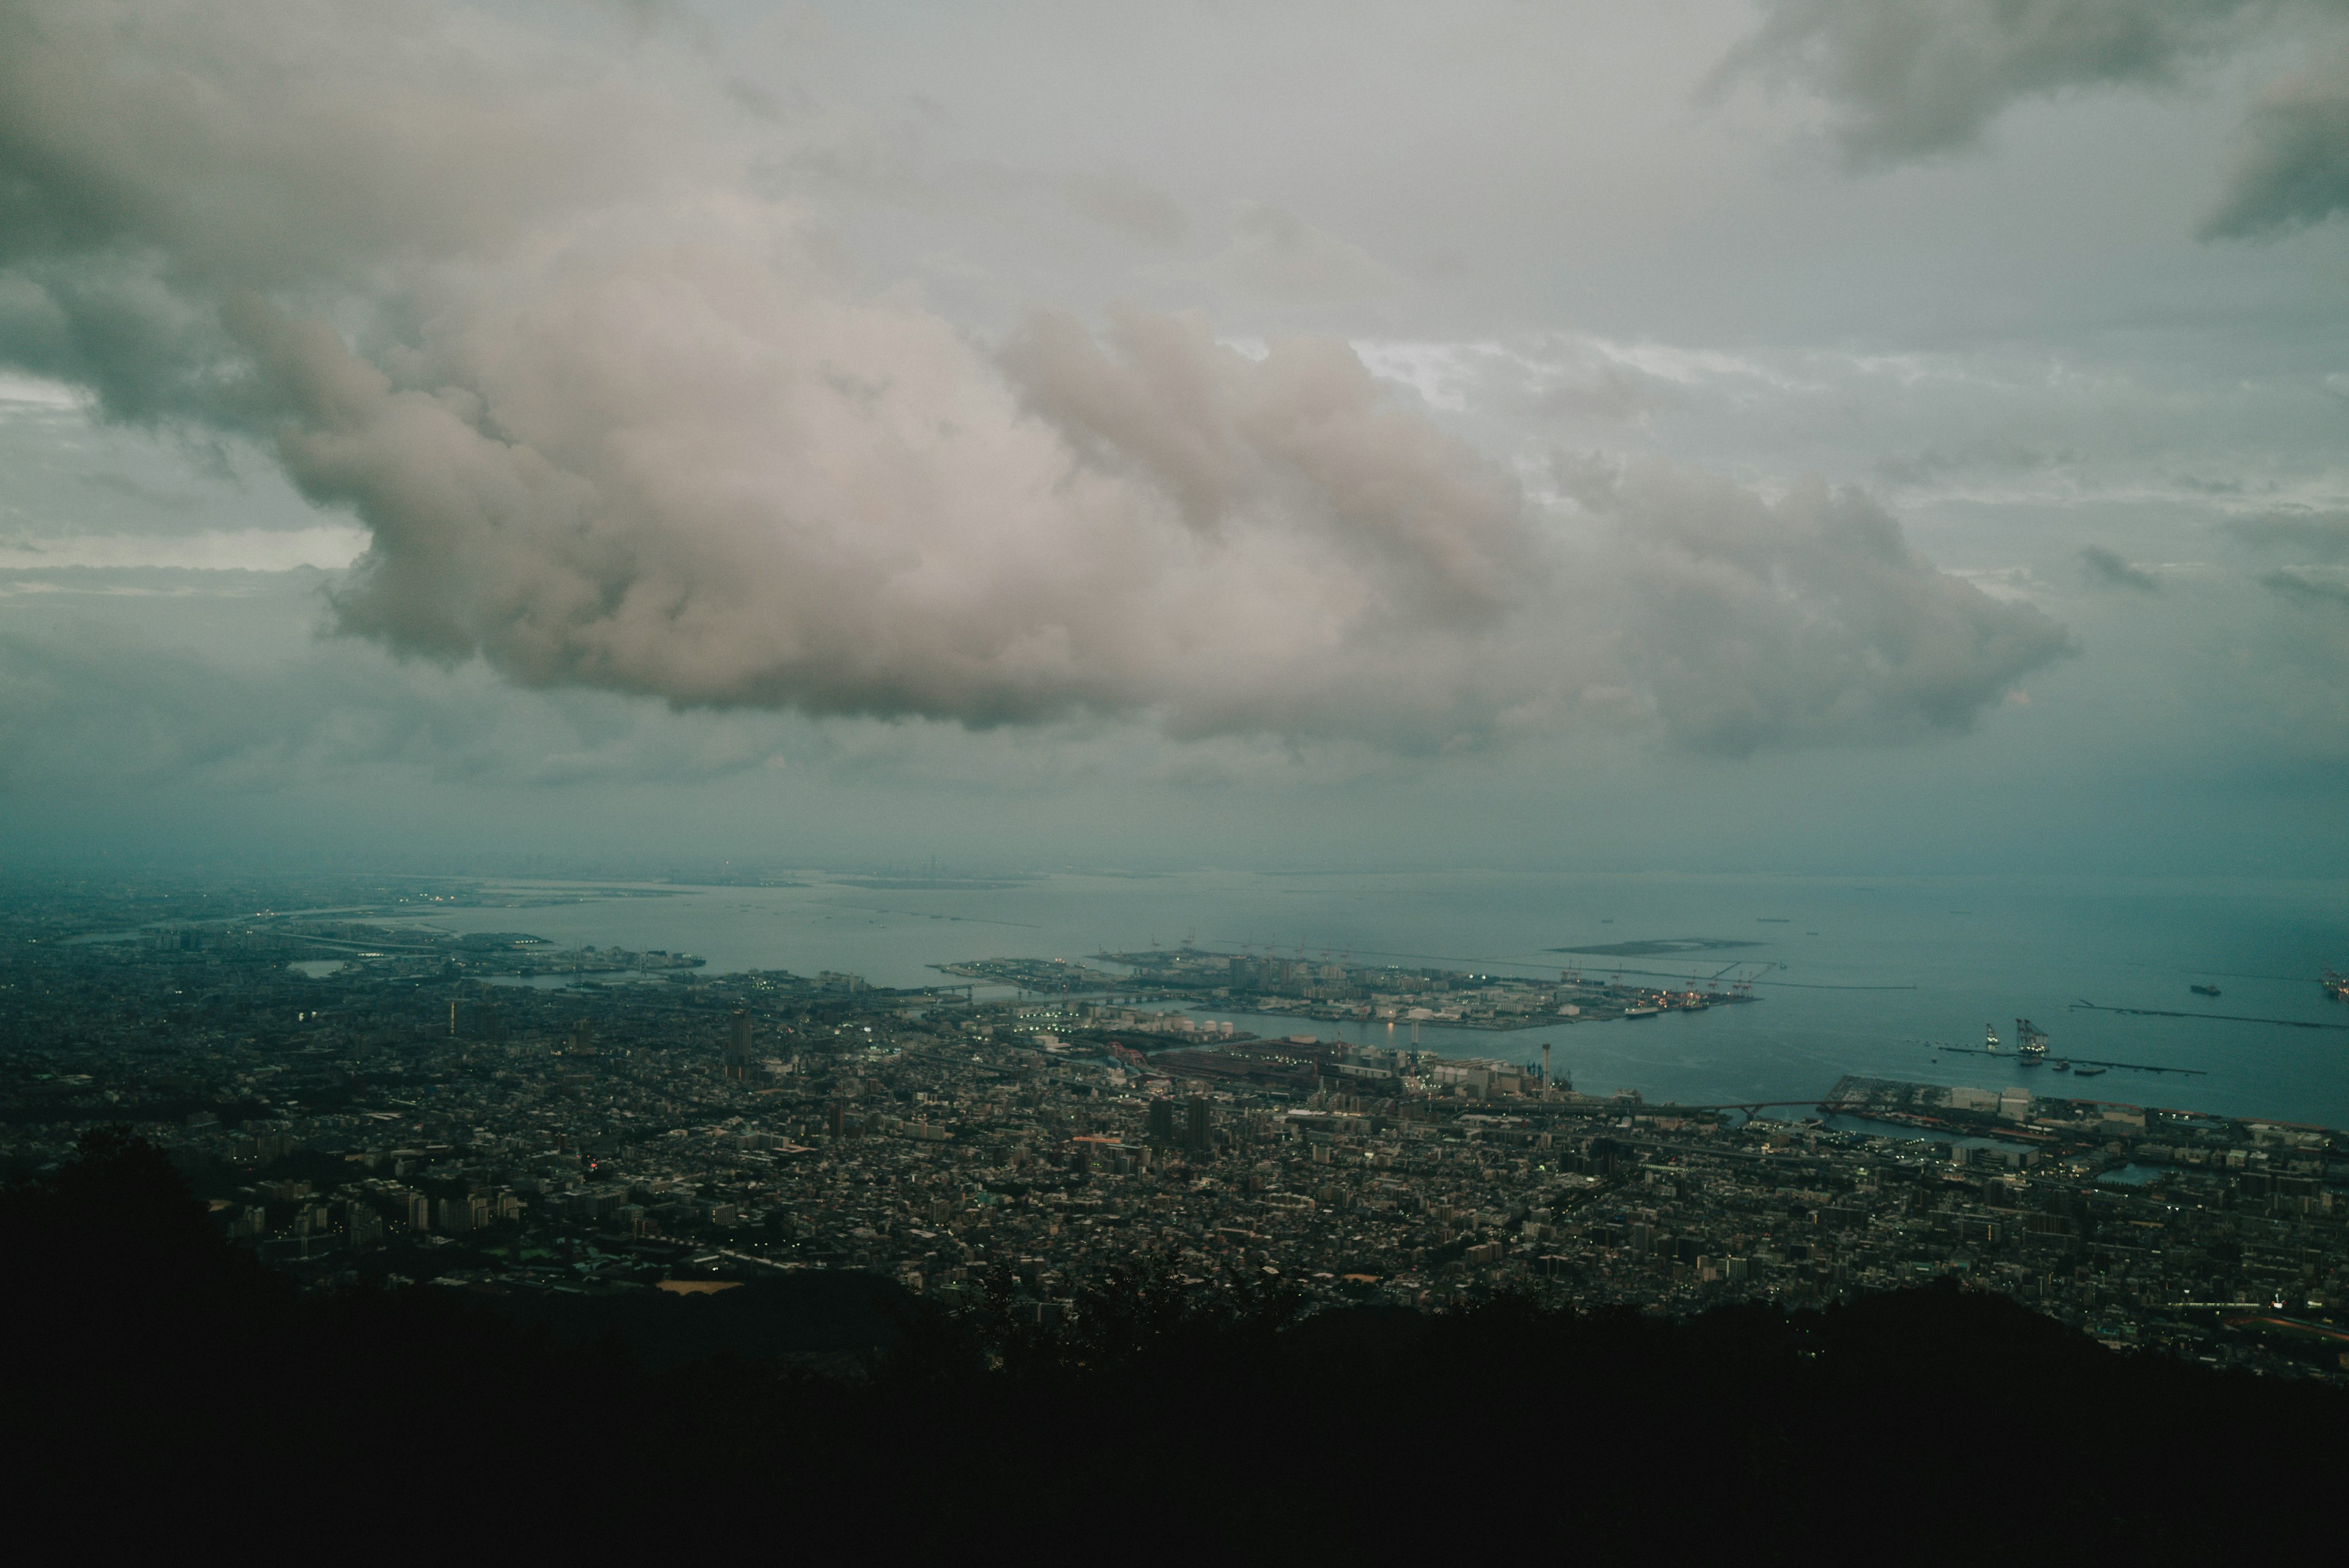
{"x": 1912, "y": 79}
{"x": 1809, "y": 617}
{"x": 2293, "y": 168}
{"x": 614, "y": 419}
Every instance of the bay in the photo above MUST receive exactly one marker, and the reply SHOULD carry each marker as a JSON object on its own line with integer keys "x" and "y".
{"x": 1864, "y": 974}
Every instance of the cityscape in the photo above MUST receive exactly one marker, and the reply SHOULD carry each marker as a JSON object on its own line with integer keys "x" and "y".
{"x": 362, "y": 1099}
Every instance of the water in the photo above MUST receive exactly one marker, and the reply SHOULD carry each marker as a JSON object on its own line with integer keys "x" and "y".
{"x": 1864, "y": 972}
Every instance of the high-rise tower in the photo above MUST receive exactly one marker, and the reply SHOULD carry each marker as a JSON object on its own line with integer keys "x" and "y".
{"x": 738, "y": 1048}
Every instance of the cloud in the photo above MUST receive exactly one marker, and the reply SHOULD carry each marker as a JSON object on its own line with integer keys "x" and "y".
{"x": 1804, "y": 620}
{"x": 2294, "y": 169}
{"x": 330, "y": 546}
{"x": 1278, "y": 256}
{"x": 19, "y": 393}
{"x": 1909, "y": 78}
{"x": 157, "y": 155}
{"x": 89, "y": 705}
{"x": 2308, "y": 586}
{"x": 2321, "y": 535}
{"x": 613, "y": 420}
{"x": 2108, "y": 568}
{"x": 1121, "y": 199}
{"x": 1906, "y": 80}
{"x": 1933, "y": 465}
{"x": 1304, "y": 436}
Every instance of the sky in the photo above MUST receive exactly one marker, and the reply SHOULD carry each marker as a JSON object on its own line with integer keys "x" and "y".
{"x": 1803, "y": 436}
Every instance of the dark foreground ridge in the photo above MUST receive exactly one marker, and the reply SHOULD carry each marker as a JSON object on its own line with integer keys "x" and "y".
{"x": 1155, "y": 1422}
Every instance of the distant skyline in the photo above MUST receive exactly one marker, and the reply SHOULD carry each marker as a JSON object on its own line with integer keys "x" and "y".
{"x": 1798, "y": 436}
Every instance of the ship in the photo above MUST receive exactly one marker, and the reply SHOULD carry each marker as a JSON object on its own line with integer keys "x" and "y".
{"x": 1990, "y": 1038}
{"x": 2336, "y": 986}
{"x": 2085, "y": 1071}
{"x": 2030, "y": 1042}
{"x": 2203, "y": 989}
{"x": 1642, "y": 1012}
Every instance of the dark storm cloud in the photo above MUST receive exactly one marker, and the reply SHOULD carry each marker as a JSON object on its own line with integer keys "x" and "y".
{"x": 2294, "y": 169}
{"x": 613, "y": 420}
{"x": 1912, "y": 79}
{"x": 2111, "y": 569}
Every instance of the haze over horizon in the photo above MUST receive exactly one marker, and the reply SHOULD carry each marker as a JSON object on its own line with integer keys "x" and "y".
{"x": 1798, "y": 436}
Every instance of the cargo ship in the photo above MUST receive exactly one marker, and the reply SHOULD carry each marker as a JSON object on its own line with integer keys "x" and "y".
{"x": 2203, "y": 989}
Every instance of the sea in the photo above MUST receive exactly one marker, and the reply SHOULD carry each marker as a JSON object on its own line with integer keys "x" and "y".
{"x": 1880, "y": 977}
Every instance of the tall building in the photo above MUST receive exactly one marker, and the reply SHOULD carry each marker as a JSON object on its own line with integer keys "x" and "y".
{"x": 1199, "y": 1129}
{"x": 1162, "y": 1121}
{"x": 738, "y": 1048}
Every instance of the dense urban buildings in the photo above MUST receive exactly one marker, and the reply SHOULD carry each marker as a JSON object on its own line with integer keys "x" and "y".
{"x": 406, "y": 1106}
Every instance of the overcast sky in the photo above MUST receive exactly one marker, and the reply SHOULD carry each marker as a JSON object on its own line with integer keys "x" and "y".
{"x": 1805, "y": 435}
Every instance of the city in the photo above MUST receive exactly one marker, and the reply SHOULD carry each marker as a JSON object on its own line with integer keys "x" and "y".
{"x": 356, "y": 1099}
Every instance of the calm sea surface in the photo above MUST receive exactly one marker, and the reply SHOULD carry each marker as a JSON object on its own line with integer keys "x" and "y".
{"x": 1864, "y": 974}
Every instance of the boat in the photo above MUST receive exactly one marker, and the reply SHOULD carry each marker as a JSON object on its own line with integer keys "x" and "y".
{"x": 2336, "y": 986}
{"x": 1642, "y": 1012}
{"x": 2203, "y": 989}
{"x": 2086, "y": 1072}
{"x": 2061, "y": 1066}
